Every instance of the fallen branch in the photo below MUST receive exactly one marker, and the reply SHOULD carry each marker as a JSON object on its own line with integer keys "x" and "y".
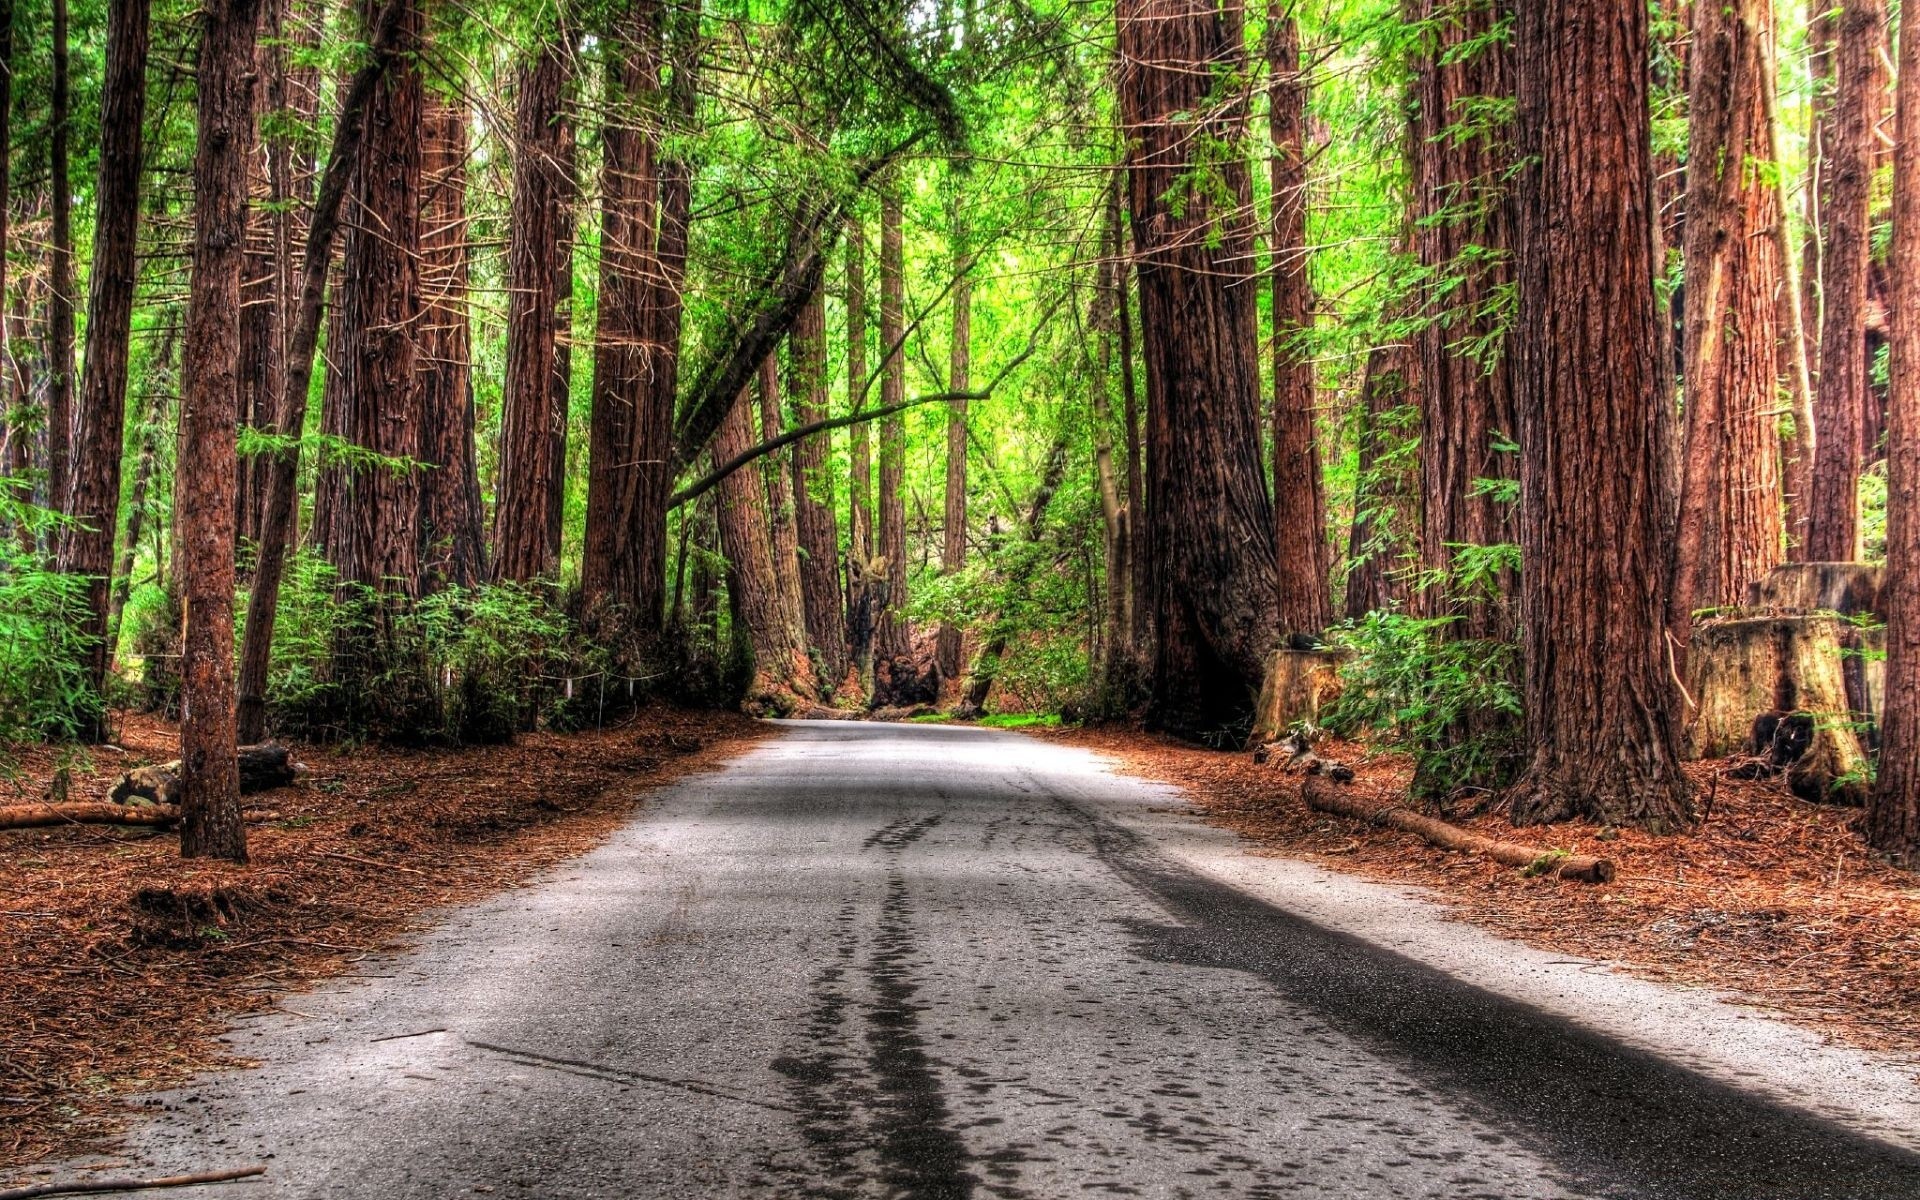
{"x": 80, "y": 1187}
{"x": 1328, "y": 798}
{"x": 262, "y": 768}
{"x": 96, "y": 812}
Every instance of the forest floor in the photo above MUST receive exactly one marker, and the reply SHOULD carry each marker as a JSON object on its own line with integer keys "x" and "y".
{"x": 1772, "y": 899}
{"x": 122, "y": 962}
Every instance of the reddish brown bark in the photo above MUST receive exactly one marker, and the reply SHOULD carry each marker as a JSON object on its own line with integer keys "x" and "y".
{"x": 1303, "y": 557}
{"x": 566, "y": 223}
{"x": 1210, "y": 525}
{"x": 1893, "y": 812}
{"x": 1846, "y": 181}
{"x": 1386, "y": 503}
{"x": 1729, "y": 531}
{"x": 209, "y": 771}
{"x": 392, "y": 34}
{"x": 93, "y": 499}
{"x": 860, "y": 541}
{"x": 816, "y": 525}
{"x": 1462, "y": 232}
{"x": 776, "y": 465}
{"x": 60, "y": 294}
{"x": 522, "y": 548}
{"x": 894, "y": 641}
{"x": 644, "y": 207}
{"x": 452, "y": 539}
{"x": 780, "y": 664}
{"x": 1116, "y": 513}
{"x": 375, "y": 535}
{"x": 1593, "y": 421}
{"x": 953, "y": 541}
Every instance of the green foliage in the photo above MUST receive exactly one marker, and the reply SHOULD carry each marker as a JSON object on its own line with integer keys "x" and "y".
{"x": 1450, "y": 701}
{"x": 44, "y": 692}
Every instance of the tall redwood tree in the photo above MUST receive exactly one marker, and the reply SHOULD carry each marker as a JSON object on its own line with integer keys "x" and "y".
{"x": 1893, "y": 812}
{"x": 209, "y": 769}
{"x": 1594, "y": 426}
{"x": 1216, "y": 599}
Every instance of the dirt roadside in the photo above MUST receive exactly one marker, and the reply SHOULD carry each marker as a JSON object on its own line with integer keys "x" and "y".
{"x": 122, "y": 963}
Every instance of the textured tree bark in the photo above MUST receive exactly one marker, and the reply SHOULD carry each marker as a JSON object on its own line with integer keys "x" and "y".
{"x": 1139, "y": 554}
{"x": 566, "y": 222}
{"x": 60, "y": 297}
{"x": 644, "y": 206}
{"x": 209, "y": 774}
{"x": 452, "y": 538}
{"x": 1593, "y": 420}
{"x": 1893, "y": 810}
{"x": 953, "y": 541}
{"x": 1462, "y": 232}
{"x": 1840, "y": 393}
{"x": 93, "y": 500}
{"x": 1729, "y": 531}
{"x": 521, "y": 524}
{"x": 375, "y": 538}
{"x": 813, "y": 509}
{"x": 781, "y": 669}
{"x": 393, "y": 33}
{"x": 894, "y": 640}
{"x": 1216, "y": 599}
{"x": 1303, "y": 555}
{"x": 777, "y": 467}
{"x": 263, "y": 298}
{"x": 1386, "y": 505}
{"x": 860, "y": 541}
{"x": 12, "y": 422}
{"x": 1120, "y": 666}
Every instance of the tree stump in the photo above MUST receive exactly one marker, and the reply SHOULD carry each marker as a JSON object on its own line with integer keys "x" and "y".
{"x": 1742, "y": 668}
{"x": 1298, "y": 686}
{"x": 1842, "y": 587}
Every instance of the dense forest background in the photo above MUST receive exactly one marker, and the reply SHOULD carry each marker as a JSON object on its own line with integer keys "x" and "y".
{"x": 420, "y": 370}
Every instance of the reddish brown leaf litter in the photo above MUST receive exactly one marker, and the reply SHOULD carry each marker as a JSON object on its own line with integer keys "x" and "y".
{"x": 1772, "y": 898}
{"x": 122, "y": 962}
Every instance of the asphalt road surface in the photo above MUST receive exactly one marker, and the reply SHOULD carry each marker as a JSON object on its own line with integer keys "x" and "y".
{"x": 913, "y": 961}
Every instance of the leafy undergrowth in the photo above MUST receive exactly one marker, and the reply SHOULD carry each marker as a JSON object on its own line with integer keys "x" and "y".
{"x": 123, "y": 962}
{"x": 1771, "y": 898}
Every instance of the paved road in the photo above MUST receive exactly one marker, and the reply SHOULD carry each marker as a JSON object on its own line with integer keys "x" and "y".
{"x": 926, "y": 962}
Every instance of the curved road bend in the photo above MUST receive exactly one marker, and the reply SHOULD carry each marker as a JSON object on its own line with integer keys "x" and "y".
{"x": 916, "y": 961}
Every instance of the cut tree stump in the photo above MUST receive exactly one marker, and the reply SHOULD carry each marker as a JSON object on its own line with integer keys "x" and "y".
{"x": 1330, "y": 798}
{"x": 1299, "y": 685}
{"x": 1814, "y": 665}
{"x": 1843, "y": 587}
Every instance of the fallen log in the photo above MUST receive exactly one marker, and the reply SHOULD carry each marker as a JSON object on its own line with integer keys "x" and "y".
{"x": 262, "y": 768}
{"x": 95, "y": 812}
{"x": 1328, "y": 798}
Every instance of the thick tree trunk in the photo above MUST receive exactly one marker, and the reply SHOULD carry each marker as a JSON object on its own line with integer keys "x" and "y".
{"x": 777, "y": 468}
{"x": 263, "y": 301}
{"x": 1216, "y": 599}
{"x": 565, "y": 225}
{"x": 12, "y": 426}
{"x": 522, "y": 550}
{"x": 644, "y": 209}
{"x": 1119, "y": 665}
{"x": 1593, "y": 420}
{"x": 1386, "y": 504}
{"x": 813, "y": 510}
{"x": 1140, "y": 558}
{"x": 1299, "y": 502}
{"x": 1893, "y": 811}
{"x": 860, "y": 540}
{"x": 1840, "y": 394}
{"x": 953, "y": 541}
{"x": 894, "y": 639}
{"x": 392, "y": 34}
{"x": 209, "y": 775}
{"x": 780, "y": 665}
{"x": 1463, "y": 235}
{"x": 452, "y": 538}
{"x": 60, "y": 294}
{"x": 1729, "y": 531}
{"x": 93, "y": 499}
{"x": 375, "y": 538}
